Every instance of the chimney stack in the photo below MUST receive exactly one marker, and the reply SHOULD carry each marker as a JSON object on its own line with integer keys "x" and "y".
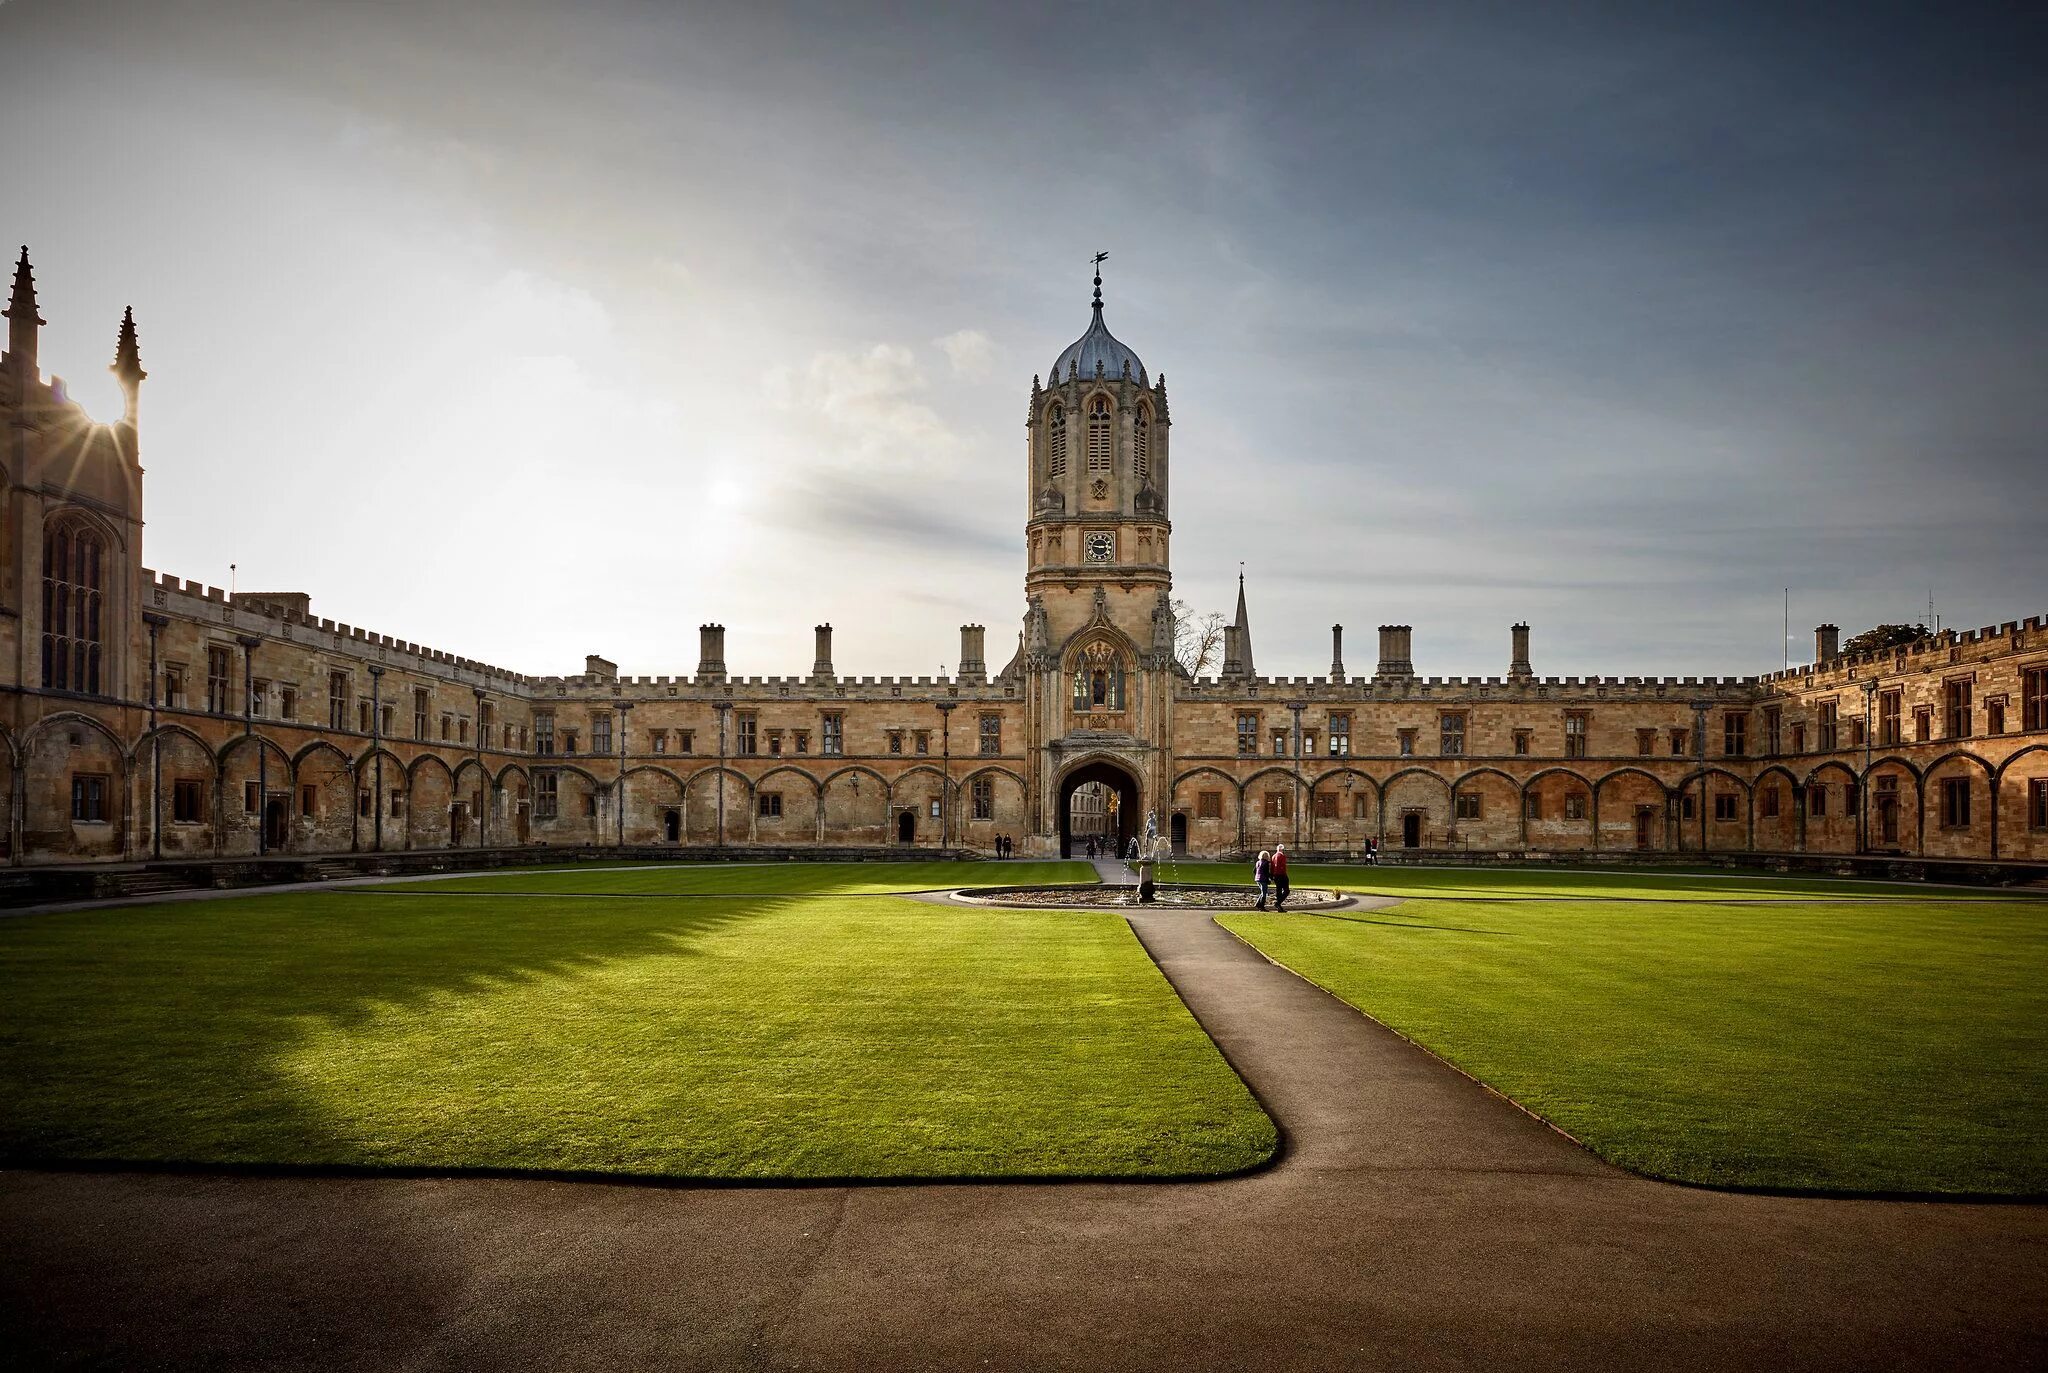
{"x": 710, "y": 653}
{"x": 973, "y": 668}
{"x": 1337, "y": 654}
{"x": 1518, "y": 664}
{"x": 1827, "y": 642}
{"x": 1394, "y": 660}
{"x": 821, "y": 668}
{"x": 1232, "y": 667}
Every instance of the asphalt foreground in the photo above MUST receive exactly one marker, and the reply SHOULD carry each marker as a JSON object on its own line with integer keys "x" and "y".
{"x": 1413, "y": 1220}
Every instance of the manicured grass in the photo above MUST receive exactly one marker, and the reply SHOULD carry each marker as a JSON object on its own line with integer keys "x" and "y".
{"x": 1882, "y": 1044}
{"x": 1623, "y": 883}
{"x": 759, "y": 879}
{"x": 801, "y": 1037}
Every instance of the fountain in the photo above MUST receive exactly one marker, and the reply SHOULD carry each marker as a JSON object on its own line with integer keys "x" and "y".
{"x": 1148, "y": 891}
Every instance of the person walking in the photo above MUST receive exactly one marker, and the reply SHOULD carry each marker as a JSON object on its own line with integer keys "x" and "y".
{"x": 1261, "y": 875}
{"x": 1280, "y": 885}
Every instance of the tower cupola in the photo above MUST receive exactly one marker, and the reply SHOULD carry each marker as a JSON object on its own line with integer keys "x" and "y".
{"x": 1098, "y": 353}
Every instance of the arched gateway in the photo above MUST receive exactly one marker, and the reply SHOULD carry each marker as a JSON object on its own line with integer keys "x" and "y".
{"x": 1119, "y": 816}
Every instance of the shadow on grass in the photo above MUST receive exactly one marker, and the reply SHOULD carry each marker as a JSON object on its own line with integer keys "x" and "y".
{"x": 176, "y": 1048}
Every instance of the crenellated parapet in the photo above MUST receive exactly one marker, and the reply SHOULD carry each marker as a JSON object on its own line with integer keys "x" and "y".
{"x": 283, "y": 616}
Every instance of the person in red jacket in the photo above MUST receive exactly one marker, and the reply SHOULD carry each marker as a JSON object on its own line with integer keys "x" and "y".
{"x": 1280, "y": 883}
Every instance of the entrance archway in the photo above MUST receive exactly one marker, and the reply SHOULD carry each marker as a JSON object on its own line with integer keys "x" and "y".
{"x": 906, "y": 827}
{"x": 1119, "y": 814}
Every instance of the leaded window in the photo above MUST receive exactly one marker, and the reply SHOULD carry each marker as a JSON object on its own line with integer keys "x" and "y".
{"x": 74, "y": 565}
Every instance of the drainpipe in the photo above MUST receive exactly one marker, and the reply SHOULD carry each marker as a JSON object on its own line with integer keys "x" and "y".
{"x": 248, "y": 643}
{"x": 1297, "y": 707}
{"x": 155, "y": 622}
{"x": 1699, "y": 730}
{"x": 724, "y": 709}
{"x": 377, "y": 758}
{"x": 483, "y": 776}
{"x": 1863, "y": 782}
{"x": 946, "y": 780}
{"x": 622, "y": 707}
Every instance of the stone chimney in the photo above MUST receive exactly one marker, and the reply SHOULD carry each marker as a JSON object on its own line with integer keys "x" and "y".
{"x": 1827, "y": 642}
{"x": 1394, "y": 659}
{"x": 710, "y": 653}
{"x": 1518, "y": 662}
{"x": 1232, "y": 666}
{"x": 821, "y": 665}
{"x": 596, "y": 666}
{"x": 973, "y": 667}
{"x": 1336, "y": 653}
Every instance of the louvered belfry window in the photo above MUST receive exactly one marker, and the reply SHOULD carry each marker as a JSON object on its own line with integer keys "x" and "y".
{"x": 73, "y": 565}
{"x": 1141, "y": 444}
{"x": 1098, "y": 434}
{"x": 1056, "y": 441}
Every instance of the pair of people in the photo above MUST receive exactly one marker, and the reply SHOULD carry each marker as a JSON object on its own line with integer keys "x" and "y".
{"x": 1271, "y": 871}
{"x": 1003, "y": 846}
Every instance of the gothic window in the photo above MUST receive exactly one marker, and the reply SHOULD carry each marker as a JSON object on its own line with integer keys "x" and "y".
{"x": 1247, "y": 734}
{"x": 1099, "y": 680}
{"x": 74, "y": 561}
{"x": 1098, "y": 434}
{"x": 1056, "y": 440}
{"x": 1141, "y": 444}
{"x": 991, "y": 734}
{"x": 984, "y": 797}
{"x": 422, "y": 707}
{"x": 547, "y": 792}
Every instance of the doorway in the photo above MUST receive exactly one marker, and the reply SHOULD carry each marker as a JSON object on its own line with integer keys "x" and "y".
{"x": 1411, "y": 829}
{"x": 277, "y": 823}
{"x": 1098, "y": 801}
{"x": 672, "y": 824}
{"x": 458, "y": 821}
{"x": 1646, "y": 820}
{"x": 906, "y": 827}
{"x": 1178, "y": 832}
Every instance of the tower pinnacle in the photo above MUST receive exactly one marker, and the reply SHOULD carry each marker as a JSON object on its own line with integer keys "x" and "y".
{"x": 127, "y": 364}
{"x": 22, "y": 319}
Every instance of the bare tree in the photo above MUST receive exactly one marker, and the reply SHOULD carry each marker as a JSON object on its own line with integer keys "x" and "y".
{"x": 1197, "y": 640}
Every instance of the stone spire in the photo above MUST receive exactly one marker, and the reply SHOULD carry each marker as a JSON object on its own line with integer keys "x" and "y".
{"x": 22, "y": 319}
{"x": 127, "y": 365}
{"x": 1237, "y": 652}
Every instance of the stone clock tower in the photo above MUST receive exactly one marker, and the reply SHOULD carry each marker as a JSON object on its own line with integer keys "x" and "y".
{"x": 1098, "y": 633}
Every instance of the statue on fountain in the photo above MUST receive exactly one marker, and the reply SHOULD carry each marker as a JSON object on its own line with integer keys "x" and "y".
{"x": 1148, "y": 854}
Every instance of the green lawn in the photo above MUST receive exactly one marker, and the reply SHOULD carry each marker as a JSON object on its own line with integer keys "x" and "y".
{"x": 1894, "y": 1042}
{"x": 804, "y": 1036}
{"x": 757, "y": 879}
{"x": 1581, "y": 883}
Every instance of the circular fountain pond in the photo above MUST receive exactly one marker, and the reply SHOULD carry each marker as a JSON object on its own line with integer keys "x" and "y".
{"x": 1166, "y": 896}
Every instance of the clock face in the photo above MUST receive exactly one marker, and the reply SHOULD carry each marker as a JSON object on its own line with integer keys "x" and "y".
{"x": 1101, "y": 546}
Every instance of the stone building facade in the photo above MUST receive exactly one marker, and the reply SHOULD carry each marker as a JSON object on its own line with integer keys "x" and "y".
{"x": 151, "y": 718}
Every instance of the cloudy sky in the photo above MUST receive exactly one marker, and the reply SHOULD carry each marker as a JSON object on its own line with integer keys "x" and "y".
{"x": 534, "y": 330}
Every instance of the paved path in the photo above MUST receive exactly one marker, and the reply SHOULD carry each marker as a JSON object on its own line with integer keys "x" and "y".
{"x": 1414, "y": 1221}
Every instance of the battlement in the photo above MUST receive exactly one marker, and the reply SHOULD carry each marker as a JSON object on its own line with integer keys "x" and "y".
{"x": 1507, "y": 688}
{"x": 1936, "y": 650}
{"x": 804, "y": 687}
{"x": 281, "y": 614}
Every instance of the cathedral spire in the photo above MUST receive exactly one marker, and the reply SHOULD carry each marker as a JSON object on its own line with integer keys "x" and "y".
{"x": 1237, "y": 639}
{"x": 1244, "y": 629}
{"x": 127, "y": 366}
{"x": 22, "y": 319}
